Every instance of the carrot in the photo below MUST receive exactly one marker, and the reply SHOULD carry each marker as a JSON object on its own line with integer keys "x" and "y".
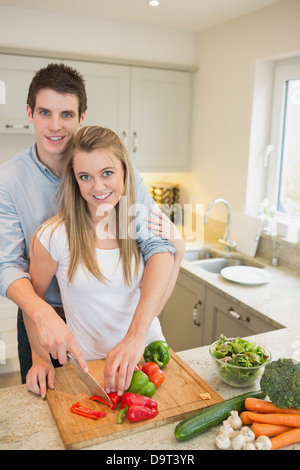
{"x": 246, "y": 418}
{"x": 263, "y": 406}
{"x": 288, "y": 437}
{"x": 292, "y": 420}
{"x": 270, "y": 430}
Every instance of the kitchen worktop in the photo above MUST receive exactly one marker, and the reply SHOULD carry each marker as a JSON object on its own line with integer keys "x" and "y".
{"x": 277, "y": 301}
{"x": 26, "y": 421}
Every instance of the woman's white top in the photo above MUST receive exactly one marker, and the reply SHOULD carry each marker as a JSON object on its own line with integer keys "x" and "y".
{"x": 98, "y": 314}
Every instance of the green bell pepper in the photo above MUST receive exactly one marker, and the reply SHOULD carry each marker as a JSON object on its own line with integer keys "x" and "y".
{"x": 158, "y": 352}
{"x": 141, "y": 385}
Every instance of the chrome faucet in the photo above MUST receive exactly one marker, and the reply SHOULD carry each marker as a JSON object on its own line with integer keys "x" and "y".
{"x": 229, "y": 244}
{"x": 274, "y": 258}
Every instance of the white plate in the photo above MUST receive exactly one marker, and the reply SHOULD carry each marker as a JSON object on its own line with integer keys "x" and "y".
{"x": 246, "y": 275}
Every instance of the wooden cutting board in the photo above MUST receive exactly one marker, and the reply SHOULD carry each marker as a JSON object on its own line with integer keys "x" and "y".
{"x": 177, "y": 398}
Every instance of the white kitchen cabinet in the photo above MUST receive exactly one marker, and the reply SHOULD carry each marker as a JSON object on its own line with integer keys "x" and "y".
{"x": 108, "y": 99}
{"x": 17, "y": 73}
{"x": 182, "y": 318}
{"x": 225, "y": 316}
{"x": 8, "y": 337}
{"x": 160, "y": 119}
{"x": 150, "y": 109}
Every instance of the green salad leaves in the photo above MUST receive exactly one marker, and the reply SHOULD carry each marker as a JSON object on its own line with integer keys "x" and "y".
{"x": 239, "y": 352}
{"x": 239, "y": 362}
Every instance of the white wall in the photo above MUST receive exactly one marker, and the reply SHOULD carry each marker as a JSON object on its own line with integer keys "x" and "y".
{"x": 30, "y": 29}
{"x": 228, "y": 56}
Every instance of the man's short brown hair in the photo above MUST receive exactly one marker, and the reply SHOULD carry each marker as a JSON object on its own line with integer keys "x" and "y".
{"x": 62, "y": 79}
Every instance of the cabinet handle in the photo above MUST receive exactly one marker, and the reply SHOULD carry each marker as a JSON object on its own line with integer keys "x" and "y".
{"x": 124, "y": 138}
{"x": 195, "y": 313}
{"x": 135, "y": 142}
{"x": 17, "y": 126}
{"x": 236, "y": 315}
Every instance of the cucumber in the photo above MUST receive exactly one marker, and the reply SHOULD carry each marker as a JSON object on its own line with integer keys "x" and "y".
{"x": 213, "y": 415}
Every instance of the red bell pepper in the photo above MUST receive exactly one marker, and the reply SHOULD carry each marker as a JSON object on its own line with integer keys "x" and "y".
{"x": 134, "y": 399}
{"x": 137, "y": 407}
{"x": 154, "y": 372}
{"x": 140, "y": 413}
{"x": 81, "y": 410}
{"x": 115, "y": 398}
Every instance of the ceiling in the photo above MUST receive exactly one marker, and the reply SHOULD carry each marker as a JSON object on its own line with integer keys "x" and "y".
{"x": 194, "y": 15}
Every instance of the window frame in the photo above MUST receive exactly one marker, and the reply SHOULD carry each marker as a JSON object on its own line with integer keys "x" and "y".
{"x": 284, "y": 71}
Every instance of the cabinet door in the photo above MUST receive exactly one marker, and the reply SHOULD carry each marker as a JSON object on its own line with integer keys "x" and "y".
{"x": 182, "y": 317}
{"x": 8, "y": 337}
{"x": 160, "y": 119}
{"x": 17, "y": 73}
{"x": 107, "y": 88}
{"x": 226, "y": 316}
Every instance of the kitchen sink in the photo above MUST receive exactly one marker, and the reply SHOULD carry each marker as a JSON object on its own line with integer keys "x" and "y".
{"x": 215, "y": 265}
{"x": 195, "y": 255}
{"x": 215, "y": 260}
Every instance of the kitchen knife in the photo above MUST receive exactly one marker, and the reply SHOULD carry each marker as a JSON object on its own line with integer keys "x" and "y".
{"x": 88, "y": 380}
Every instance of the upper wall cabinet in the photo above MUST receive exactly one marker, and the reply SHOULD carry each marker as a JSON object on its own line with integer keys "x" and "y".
{"x": 160, "y": 119}
{"x": 149, "y": 108}
{"x": 107, "y": 88}
{"x": 17, "y": 73}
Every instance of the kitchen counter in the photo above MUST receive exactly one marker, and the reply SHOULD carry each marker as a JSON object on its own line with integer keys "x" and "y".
{"x": 26, "y": 421}
{"x": 277, "y": 302}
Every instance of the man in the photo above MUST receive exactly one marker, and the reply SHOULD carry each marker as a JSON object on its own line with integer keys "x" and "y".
{"x": 56, "y": 105}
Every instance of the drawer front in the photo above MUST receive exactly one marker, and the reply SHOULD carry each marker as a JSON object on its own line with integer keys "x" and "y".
{"x": 226, "y": 316}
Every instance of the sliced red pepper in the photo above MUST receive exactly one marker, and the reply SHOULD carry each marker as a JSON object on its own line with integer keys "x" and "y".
{"x": 81, "y": 410}
{"x": 115, "y": 398}
{"x": 137, "y": 407}
{"x": 154, "y": 372}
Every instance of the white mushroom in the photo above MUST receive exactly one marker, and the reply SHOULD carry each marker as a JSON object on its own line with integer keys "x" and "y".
{"x": 249, "y": 435}
{"x": 223, "y": 441}
{"x": 263, "y": 443}
{"x": 238, "y": 442}
{"x": 249, "y": 446}
{"x": 226, "y": 428}
{"x": 235, "y": 420}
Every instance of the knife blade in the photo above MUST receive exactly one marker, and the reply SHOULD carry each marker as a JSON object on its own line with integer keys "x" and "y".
{"x": 88, "y": 380}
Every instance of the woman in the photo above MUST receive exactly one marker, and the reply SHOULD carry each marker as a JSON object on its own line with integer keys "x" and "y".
{"x": 89, "y": 248}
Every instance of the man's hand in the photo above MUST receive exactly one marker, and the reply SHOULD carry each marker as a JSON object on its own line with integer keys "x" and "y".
{"x": 55, "y": 336}
{"x": 40, "y": 376}
{"x": 45, "y": 329}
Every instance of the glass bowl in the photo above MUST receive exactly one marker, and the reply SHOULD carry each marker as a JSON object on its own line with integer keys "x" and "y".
{"x": 238, "y": 376}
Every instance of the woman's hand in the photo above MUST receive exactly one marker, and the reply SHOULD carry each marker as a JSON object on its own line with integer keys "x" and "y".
{"x": 162, "y": 226}
{"x": 122, "y": 360}
{"x": 40, "y": 375}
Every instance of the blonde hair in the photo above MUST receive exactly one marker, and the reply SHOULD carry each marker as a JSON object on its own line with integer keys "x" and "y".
{"x": 73, "y": 210}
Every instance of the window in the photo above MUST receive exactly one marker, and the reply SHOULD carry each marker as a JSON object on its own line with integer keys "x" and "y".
{"x": 283, "y": 159}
